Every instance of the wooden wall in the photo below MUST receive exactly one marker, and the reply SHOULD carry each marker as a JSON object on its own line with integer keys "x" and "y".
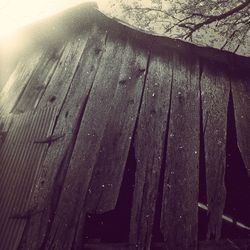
{"x": 73, "y": 115}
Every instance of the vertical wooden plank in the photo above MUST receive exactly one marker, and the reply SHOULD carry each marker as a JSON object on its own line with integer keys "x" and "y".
{"x": 149, "y": 146}
{"x": 17, "y": 82}
{"x": 67, "y": 125}
{"x": 215, "y": 89}
{"x": 20, "y": 159}
{"x": 116, "y": 139}
{"x": 87, "y": 145}
{"x": 241, "y": 99}
{"x": 60, "y": 82}
{"x": 39, "y": 79}
{"x": 180, "y": 195}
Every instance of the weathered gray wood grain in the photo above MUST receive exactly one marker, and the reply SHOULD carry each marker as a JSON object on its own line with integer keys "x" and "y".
{"x": 149, "y": 146}
{"x": 215, "y": 89}
{"x": 39, "y": 80}
{"x": 110, "y": 162}
{"x": 241, "y": 99}
{"x": 60, "y": 150}
{"x": 116, "y": 139}
{"x": 179, "y": 218}
{"x": 17, "y": 82}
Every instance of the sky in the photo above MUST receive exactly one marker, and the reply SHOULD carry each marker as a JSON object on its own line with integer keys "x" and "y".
{"x": 17, "y": 13}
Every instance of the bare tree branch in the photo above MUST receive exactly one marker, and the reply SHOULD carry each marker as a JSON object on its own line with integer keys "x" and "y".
{"x": 190, "y": 19}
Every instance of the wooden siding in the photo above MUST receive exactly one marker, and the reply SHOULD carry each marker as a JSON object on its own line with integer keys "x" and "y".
{"x": 71, "y": 115}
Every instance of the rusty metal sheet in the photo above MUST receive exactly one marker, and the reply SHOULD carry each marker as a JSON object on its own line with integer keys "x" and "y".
{"x": 20, "y": 159}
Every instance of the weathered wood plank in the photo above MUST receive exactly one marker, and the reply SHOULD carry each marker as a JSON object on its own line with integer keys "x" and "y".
{"x": 20, "y": 160}
{"x": 215, "y": 89}
{"x": 67, "y": 125}
{"x": 114, "y": 146}
{"x": 17, "y": 82}
{"x": 241, "y": 99}
{"x": 39, "y": 80}
{"x": 87, "y": 146}
{"x": 149, "y": 146}
{"x": 59, "y": 84}
{"x": 180, "y": 195}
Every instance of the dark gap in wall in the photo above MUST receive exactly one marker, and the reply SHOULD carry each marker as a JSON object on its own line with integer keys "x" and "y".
{"x": 202, "y": 213}
{"x": 202, "y": 223}
{"x": 237, "y": 183}
{"x": 202, "y": 164}
{"x": 113, "y": 226}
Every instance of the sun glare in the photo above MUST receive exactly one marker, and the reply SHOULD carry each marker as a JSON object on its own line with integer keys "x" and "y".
{"x": 17, "y": 13}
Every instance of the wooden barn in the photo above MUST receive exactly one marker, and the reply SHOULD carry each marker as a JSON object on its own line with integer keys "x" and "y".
{"x": 112, "y": 138}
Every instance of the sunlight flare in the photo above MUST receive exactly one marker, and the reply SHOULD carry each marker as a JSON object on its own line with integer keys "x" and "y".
{"x": 16, "y": 13}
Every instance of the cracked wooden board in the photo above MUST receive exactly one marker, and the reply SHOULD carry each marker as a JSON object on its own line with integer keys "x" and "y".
{"x": 179, "y": 217}
{"x": 20, "y": 161}
{"x": 215, "y": 88}
{"x": 149, "y": 146}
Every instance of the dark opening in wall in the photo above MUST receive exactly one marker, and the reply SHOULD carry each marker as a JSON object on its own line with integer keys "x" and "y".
{"x": 202, "y": 223}
{"x": 237, "y": 183}
{"x": 113, "y": 226}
